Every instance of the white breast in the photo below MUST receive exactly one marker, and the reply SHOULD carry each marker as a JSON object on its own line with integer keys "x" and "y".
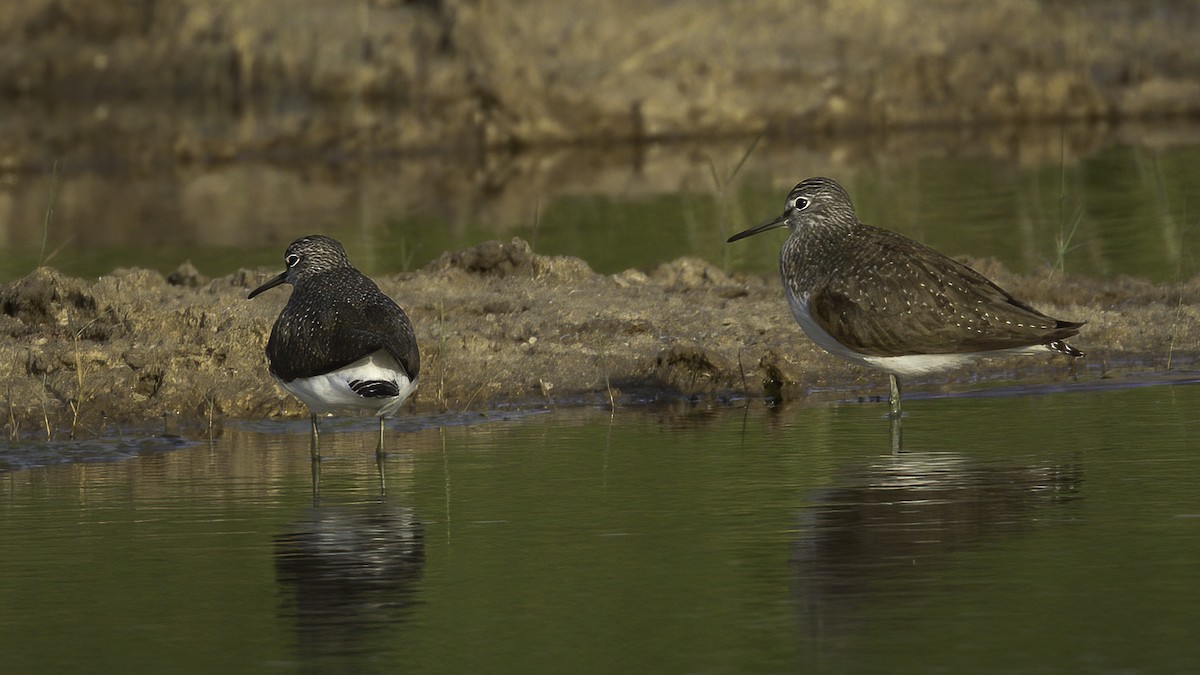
{"x": 799, "y": 305}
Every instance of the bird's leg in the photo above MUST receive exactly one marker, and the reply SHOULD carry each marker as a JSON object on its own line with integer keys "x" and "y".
{"x": 379, "y": 463}
{"x": 897, "y": 435}
{"x": 316, "y": 483}
{"x": 315, "y": 445}
{"x": 380, "y": 456}
{"x": 894, "y": 398}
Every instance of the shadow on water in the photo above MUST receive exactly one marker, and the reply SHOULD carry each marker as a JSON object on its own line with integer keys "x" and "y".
{"x": 17, "y": 456}
{"x": 348, "y": 574}
{"x": 889, "y": 528}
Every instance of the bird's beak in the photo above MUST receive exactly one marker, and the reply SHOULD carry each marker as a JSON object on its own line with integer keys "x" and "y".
{"x": 778, "y": 221}
{"x": 270, "y": 284}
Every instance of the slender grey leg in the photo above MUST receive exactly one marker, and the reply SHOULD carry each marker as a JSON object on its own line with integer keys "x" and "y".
{"x": 380, "y": 456}
{"x": 380, "y": 464}
{"x": 316, "y": 443}
{"x": 316, "y": 483}
{"x": 897, "y": 435}
{"x": 894, "y": 399}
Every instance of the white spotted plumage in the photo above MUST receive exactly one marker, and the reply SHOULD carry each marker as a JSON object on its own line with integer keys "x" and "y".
{"x": 340, "y": 343}
{"x": 876, "y": 298}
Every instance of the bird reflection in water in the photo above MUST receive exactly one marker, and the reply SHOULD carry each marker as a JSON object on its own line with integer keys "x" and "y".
{"x": 346, "y": 573}
{"x": 380, "y": 473}
{"x": 892, "y": 526}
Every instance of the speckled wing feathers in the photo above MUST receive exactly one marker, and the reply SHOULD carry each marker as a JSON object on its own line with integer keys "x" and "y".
{"x": 924, "y": 304}
{"x": 318, "y": 333}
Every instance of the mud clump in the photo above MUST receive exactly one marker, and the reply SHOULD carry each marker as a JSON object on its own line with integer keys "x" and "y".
{"x": 45, "y": 299}
{"x": 491, "y": 257}
{"x": 187, "y": 275}
{"x": 690, "y": 368}
{"x": 501, "y": 325}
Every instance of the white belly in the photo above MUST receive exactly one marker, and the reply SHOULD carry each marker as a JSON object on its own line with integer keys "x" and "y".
{"x": 331, "y": 392}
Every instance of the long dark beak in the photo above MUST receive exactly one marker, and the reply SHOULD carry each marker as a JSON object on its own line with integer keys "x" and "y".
{"x": 779, "y": 221}
{"x": 270, "y": 284}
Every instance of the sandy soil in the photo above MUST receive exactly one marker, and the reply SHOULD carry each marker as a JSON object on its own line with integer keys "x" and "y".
{"x": 499, "y": 326}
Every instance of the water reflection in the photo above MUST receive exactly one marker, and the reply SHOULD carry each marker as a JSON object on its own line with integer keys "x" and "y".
{"x": 380, "y": 472}
{"x": 347, "y": 573}
{"x": 1003, "y": 195}
{"x": 893, "y": 524}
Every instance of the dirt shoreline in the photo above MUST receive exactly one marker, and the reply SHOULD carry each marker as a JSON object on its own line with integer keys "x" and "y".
{"x": 500, "y": 325}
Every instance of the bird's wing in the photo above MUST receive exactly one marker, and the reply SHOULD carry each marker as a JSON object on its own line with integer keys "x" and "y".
{"x": 929, "y": 304}
{"x": 355, "y": 323}
{"x": 390, "y": 330}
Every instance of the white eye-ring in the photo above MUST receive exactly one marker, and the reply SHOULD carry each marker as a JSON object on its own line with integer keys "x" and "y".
{"x": 800, "y": 204}
{"x": 292, "y": 260}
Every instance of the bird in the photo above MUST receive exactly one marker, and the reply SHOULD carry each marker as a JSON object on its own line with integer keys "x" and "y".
{"x": 879, "y": 299}
{"x": 340, "y": 343}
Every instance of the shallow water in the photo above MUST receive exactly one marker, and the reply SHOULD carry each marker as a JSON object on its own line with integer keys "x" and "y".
{"x": 1090, "y": 202}
{"x": 1045, "y": 532}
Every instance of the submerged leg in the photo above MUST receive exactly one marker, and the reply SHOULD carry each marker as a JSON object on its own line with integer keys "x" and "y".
{"x": 380, "y": 456}
{"x": 380, "y": 464}
{"x": 894, "y": 398}
{"x": 316, "y": 483}
{"x": 316, "y": 443}
{"x": 897, "y": 435}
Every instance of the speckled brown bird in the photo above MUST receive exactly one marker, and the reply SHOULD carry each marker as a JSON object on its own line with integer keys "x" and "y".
{"x": 877, "y": 298}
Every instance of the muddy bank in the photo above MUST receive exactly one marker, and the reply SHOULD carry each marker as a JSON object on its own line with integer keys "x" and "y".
{"x": 499, "y": 325}
{"x": 381, "y": 76}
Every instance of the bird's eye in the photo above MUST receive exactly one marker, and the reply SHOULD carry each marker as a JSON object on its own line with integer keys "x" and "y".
{"x": 292, "y": 260}
{"x": 800, "y": 204}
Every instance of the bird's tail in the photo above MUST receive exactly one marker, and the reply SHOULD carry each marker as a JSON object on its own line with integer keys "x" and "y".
{"x": 1062, "y": 347}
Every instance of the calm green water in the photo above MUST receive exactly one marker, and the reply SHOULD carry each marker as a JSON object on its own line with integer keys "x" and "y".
{"x": 1046, "y": 532}
{"x": 1100, "y": 210}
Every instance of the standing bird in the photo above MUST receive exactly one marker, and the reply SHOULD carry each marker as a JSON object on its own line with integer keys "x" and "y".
{"x": 880, "y": 299}
{"x": 339, "y": 343}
